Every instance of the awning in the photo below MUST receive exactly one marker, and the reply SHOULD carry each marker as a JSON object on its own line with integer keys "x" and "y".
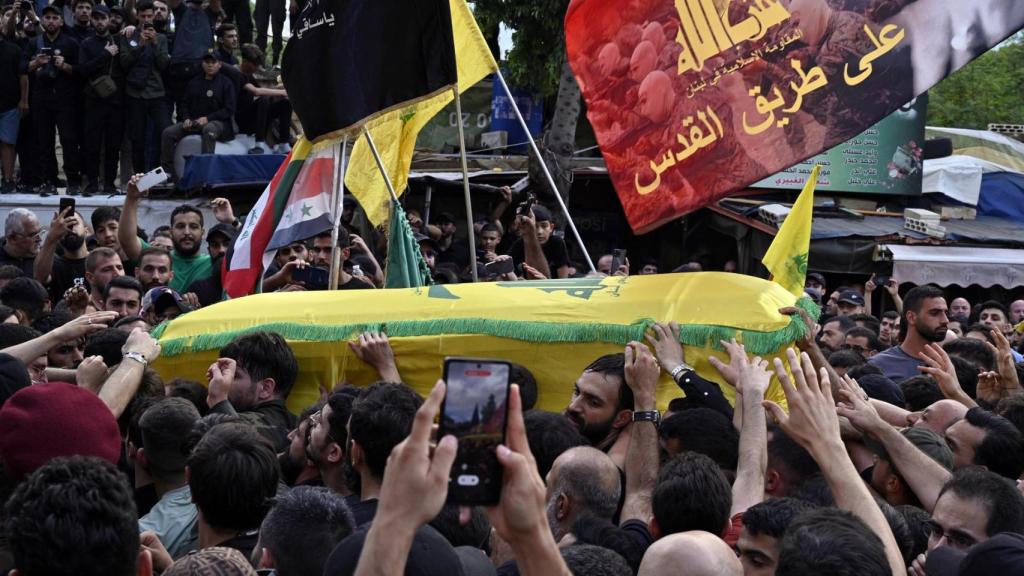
{"x": 955, "y": 266}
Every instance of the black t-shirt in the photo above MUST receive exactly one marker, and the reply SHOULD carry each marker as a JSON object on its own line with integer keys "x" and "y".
{"x": 63, "y": 275}
{"x": 11, "y": 69}
{"x": 363, "y": 511}
{"x": 245, "y": 115}
{"x": 27, "y": 265}
{"x": 355, "y": 284}
{"x": 554, "y": 250}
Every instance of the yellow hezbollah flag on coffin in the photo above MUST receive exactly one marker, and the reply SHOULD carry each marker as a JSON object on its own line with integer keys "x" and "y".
{"x": 395, "y": 133}
{"x": 786, "y": 258}
{"x": 553, "y": 327}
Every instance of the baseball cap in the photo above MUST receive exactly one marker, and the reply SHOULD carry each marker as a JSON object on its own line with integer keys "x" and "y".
{"x": 227, "y": 230}
{"x": 851, "y": 297}
{"x": 51, "y": 8}
{"x": 816, "y": 277}
{"x": 541, "y": 214}
{"x": 13, "y": 377}
{"x": 161, "y": 297}
{"x": 101, "y": 9}
{"x": 420, "y": 238}
{"x": 210, "y": 55}
{"x": 1001, "y": 554}
{"x": 40, "y": 423}
{"x": 444, "y": 217}
{"x": 924, "y": 440}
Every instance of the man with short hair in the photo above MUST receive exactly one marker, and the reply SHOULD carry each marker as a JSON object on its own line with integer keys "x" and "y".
{"x": 301, "y": 531}
{"x": 973, "y": 506}
{"x": 296, "y": 467}
{"x": 889, "y": 328}
{"x": 1016, "y": 312}
{"x": 259, "y": 106}
{"x": 960, "y": 307}
{"x": 62, "y": 271}
{"x": 207, "y": 109}
{"x": 831, "y": 541}
{"x": 186, "y": 236}
{"x": 538, "y": 246}
{"x": 833, "y": 332}
{"x": 143, "y": 56}
{"x": 789, "y": 464}
{"x": 582, "y": 481}
{"x": 602, "y": 403}
{"x": 252, "y": 378}
{"x": 123, "y": 295}
{"x": 227, "y": 43}
{"x": 75, "y": 516}
{"x": 23, "y": 234}
{"x": 101, "y": 266}
{"x": 52, "y": 58}
{"x": 105, "y": 221}
{"x": 27, "y": 297}
{"x": 165, "y": 427}
{"x": 154, "y": 268}
{"x": 924, "y": 321}
{"x": 938, "y": 417}
{"x": 992, "y": 314}
{"x": 232, "y": 473}
{"x": 862, "y": 341}
{"x": 763, "y": 527}
{"x": 103, "y": 113}
{"x": 381, "y": 419}
{"x": 327, "y": 443}
{"x": 692, "y": 494}
{"x": 81, "y": 26}
{"x": 886, "y": 479}
{"x": 320, "y": 254}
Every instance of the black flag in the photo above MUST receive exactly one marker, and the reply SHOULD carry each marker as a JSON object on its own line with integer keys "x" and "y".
{"x": 350, "y": 60}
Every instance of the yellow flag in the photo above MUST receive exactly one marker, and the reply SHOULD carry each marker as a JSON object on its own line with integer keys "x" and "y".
{"x": 395, "y": 133}
{"x": 786, "y": 258}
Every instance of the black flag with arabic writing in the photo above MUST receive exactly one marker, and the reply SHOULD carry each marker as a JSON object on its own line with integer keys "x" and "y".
{"x": 350, "y": 60}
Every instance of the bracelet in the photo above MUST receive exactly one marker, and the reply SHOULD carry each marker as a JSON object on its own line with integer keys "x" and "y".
{"x": 683, "y": 367}
{"x": 137, "y": 356}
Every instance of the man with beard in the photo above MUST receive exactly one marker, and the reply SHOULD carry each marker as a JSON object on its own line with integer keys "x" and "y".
{"x": 103, "y": 118}
{"x": 602, "y": 403}
{"x": 296, "y": 467}
{"x": 154, "y": 268}
{"x": 187, "y": 263}
{"x": 58, "y": 272}
{"x": 101, "y": 266}
{"x": 320, "y": 255}
{"x": 924, "y": 320}
{"x": 327, "y": 442}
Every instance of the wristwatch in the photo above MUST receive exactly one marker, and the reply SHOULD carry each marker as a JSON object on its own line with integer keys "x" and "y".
{"x": 653, "y": 416}
{"x": 137, "y": 356}
{"x": 683, "y": 367}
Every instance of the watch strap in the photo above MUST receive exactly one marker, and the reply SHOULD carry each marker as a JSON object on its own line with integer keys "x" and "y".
{"x": 137, "y": 356}
{"x": 647, "y": 416}
{"x": 683, "y": 367}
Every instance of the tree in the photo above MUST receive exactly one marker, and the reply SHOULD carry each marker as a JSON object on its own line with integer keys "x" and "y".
{"x": 537, "y": 62}
{"x": 985, "y": 91}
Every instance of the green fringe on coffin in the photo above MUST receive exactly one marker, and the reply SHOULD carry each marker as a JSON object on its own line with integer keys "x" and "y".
{"x": 704, "y": 336}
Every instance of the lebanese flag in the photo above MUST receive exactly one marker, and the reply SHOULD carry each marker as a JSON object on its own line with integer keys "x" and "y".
{"x": 295, "y": 206}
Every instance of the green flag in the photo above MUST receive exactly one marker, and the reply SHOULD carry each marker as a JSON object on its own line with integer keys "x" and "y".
{"x": 405, "y": 267}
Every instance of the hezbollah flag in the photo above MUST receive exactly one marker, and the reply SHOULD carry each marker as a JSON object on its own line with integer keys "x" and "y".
{"x": 395, "y": 132}
{"x": 786, "y": 258}
{"x": 352, "y": 59}
{"x": 553, "y": 327}
{"x": 405, "y": 267}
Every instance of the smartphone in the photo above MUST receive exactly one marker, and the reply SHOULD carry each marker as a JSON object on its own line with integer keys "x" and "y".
{"x": 498, "y": 267}
{"x": 154, "y": 177}
{"x": 524, "y": 208}
{"x": 65, "y": 203}
{"x": 475, "y": 411}
{"x": 618, "y": 259}
{"x": 880, "y": 280}
{"x": 313, "y": 277}
{"x": 46, "y": 51}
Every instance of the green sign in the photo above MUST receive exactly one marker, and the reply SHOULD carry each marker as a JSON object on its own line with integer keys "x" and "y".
{"x": 884, "y": 159}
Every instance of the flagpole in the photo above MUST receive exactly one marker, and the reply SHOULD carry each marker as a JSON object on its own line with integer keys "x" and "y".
{"x": 337, "y": 203}
{"x": 465, "y": 184}
{"x": 380, "y": 164}
{"x": 544, "y": 168}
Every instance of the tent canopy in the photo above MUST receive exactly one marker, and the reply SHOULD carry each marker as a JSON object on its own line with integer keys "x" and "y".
{"x": 957, "y": 266}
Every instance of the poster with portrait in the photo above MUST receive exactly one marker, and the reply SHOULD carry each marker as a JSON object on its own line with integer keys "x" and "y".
{"x": 692, "y": 100}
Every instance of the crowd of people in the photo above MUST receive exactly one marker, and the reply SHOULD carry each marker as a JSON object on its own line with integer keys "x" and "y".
{"x": 131, "y": 81}
{"x": 899, "y": 448}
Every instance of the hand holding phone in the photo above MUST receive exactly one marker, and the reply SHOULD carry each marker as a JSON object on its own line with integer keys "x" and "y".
{"x": 312, "y": 277}
{"x": 154, "y": 177}
{"x": 475, "y": 411}
{"x": 618, "y": 259}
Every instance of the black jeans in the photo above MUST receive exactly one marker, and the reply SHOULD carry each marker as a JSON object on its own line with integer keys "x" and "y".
{"x": 238, "y": 11}
{"x": 267, "y": 12}
{"x": 267, "y": 109}
{"x": 140, "y": 111}
{"x": 104, "y": 129}
{"x": 59, "y": 116}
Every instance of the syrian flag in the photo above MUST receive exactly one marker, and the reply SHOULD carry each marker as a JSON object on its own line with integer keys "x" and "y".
{"x": 295, "y": 206}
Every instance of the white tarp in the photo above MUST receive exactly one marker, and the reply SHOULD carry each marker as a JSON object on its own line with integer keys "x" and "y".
{"x": 957, "y": 266}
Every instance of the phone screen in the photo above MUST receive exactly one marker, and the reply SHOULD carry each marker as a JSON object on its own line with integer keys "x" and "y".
{"x": 475, "y": 411}
{"x": 66, "y": 203}
{"x": 313, "y": 277}
{"x": 496, "y": 267}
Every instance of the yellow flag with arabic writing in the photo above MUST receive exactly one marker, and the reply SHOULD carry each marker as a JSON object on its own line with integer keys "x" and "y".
{"x": 786, "y": 258}
{"x": 395, "y": 133}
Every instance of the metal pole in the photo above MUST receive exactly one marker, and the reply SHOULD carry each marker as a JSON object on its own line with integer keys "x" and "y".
{"x": 380, "y": 164}
{"x": 544, "y": 168}
{"x": 337, "y": 203}
{"x": 465, "y": 184}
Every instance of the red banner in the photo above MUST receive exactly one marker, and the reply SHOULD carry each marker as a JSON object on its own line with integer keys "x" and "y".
{"x": 692, "y": 100}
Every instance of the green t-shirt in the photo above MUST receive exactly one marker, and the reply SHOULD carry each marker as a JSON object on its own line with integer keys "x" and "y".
{"x": 187, "y": 270}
